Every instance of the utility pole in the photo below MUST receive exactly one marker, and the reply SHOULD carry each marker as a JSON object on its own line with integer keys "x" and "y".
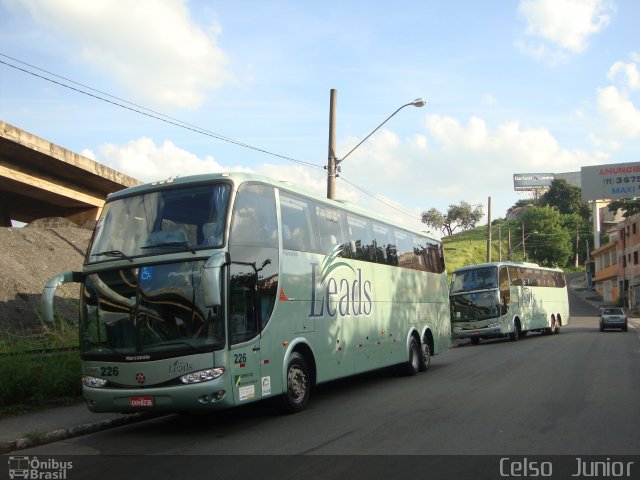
{"x": 331, "y": 165}
{"x": 576, "y": 245}
{"x": 489, "y": 230}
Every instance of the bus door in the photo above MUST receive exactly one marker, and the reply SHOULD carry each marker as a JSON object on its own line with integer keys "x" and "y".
{"x": 253, "y": 287}
{"x": 244, "y": 335}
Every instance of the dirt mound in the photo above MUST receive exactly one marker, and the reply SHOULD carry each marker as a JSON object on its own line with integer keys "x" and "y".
{"x": 29, "y": 257}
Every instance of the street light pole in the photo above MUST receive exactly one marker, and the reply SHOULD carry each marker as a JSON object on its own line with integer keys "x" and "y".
{"x": 333, "y": 163}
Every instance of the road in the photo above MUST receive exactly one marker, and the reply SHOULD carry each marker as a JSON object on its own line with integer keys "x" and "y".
{"x": 576, "y": 393}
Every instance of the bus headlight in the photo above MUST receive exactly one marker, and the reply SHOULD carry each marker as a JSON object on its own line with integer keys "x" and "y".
{"x": 93, "y": 382}
{"x": 202, "y": 375}
{"x": 493, "y": 325}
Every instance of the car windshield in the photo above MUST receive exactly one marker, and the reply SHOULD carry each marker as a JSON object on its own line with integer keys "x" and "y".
{"x": 164, "y": 221}
{"x": 613, "y": 311}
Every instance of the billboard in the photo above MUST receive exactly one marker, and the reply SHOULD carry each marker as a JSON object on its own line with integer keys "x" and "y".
{"x": 611, "y": 182}
{"x": 531, "y": 181}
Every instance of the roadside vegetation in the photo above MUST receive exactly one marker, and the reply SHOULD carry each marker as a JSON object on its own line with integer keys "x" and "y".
{"x": 39, "y": 370}
{"x": 551, "y": 231}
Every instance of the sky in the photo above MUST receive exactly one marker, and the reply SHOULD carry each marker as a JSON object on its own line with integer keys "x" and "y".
{"x": 187, "y": 87}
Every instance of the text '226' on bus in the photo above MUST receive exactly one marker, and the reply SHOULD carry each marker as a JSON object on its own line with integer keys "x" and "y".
{"x": 211, "y": 291}
{"x": 492, "y": 300}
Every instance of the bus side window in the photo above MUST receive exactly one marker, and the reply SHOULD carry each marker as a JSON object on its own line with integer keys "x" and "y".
{"x": 254, "y": 219}
{"x": 361, "y": 236}
{"x": 404, "y": 250}
{"x": 505, "y": 291}
{"x": 329, "y": 228}
{"x": 296, "y": 224}
{"x": 384, "y": 245}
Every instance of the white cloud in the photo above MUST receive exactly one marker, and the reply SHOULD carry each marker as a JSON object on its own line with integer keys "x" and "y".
{"x": 563, "y": 26}
{"x": 153, "y": 49}
{"x": 489, "y": 100}
{"x": 620, "y": 113}
{"x": 455, "y": 161}
{"x": 448, "y": 163}
{"x": 629, "y": 71}
{"x": 144, "y": 160}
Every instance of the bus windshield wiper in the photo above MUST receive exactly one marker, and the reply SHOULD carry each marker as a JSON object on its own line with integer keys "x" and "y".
{"x": 172, "y": 344}
{"x": 170, "y": 245}
{"x": 112, "y": 253}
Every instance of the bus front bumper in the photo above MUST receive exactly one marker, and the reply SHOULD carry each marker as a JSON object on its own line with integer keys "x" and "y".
{"x": 487, "y": 332}
{"x": 176, "y": 398}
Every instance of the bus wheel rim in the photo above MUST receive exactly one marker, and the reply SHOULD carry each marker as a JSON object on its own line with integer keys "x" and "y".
{"x": 426, "y": 358}
{"x": 297, "y": 383}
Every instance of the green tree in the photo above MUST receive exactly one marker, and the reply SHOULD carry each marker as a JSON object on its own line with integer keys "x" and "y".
{"x": 566, "y": 198}
{"x": 523, "y": 202}
{"x": 629, "y": 206}
{"x": 549, "y": 242}
{"x": 463, "y": 216}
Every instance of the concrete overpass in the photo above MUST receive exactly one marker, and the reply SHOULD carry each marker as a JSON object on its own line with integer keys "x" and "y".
{"x": 39, "y": 179}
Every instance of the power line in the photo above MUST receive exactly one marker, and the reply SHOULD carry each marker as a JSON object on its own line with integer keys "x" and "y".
{"x": 99, "y": 95}
{"x": 376, "y": 197}
{"x": 136, "y": 108}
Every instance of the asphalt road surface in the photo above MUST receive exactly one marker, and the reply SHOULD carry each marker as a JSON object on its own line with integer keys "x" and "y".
{"x": 576, "y": 393}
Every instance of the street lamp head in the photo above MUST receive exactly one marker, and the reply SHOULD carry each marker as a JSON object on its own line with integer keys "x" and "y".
{"x": 419, "y": 102}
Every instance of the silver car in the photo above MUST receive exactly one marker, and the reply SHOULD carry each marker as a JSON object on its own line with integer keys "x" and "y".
{"x": 613, "y": 318}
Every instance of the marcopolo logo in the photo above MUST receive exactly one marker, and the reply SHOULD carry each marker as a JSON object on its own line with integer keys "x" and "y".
{"x": 36, "y": 469}
{"x": 344, "y": 296}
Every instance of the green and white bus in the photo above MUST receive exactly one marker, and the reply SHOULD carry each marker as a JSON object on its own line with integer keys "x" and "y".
{"x": 500, "y": 299}
{"x": 211, "y": 291}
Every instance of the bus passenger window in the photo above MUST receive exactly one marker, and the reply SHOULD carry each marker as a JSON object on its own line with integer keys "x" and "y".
{"x": 361, "y": 234}
{"x": 329, "y": 228}
{"x": 296, "y": 224}
{"x": 254, "y": 216}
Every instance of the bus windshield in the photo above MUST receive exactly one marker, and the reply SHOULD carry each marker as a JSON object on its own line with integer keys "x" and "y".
{"x": 474, "y": 279}
{"x": 166, "y": 221}
{"x": 475, "y": 306}
{"x": 156, "y": 309}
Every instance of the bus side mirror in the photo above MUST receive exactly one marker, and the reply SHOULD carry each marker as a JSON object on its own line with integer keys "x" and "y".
{"x": 211, "y": 287}
{"x": 49, "y": 293}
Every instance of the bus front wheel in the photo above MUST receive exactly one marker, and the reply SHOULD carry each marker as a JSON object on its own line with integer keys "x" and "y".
{"x": 515, "y": 335}
{"x": 296, "y": 396}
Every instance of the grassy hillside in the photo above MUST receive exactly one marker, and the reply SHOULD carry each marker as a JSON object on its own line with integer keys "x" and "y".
{"x": 469, "y": 247}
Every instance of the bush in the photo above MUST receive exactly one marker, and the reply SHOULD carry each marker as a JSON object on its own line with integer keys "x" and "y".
{"x": 41, "y": 369}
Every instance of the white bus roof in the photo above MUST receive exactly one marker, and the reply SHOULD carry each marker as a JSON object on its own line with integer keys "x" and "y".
{"x": 240, "y": 177}
{"x": 511, "y": 264}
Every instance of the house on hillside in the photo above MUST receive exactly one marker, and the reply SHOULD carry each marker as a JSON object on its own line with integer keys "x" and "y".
{"x": 617, "y": 264}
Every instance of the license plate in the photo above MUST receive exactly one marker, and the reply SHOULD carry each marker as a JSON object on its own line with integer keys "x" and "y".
{"x": 141, "y": 402}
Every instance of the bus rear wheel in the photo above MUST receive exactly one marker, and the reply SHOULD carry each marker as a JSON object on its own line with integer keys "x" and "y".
{"x": 296, "y": 396}
{"x": 413, "y": 365}
{"x": 425, "y": 358}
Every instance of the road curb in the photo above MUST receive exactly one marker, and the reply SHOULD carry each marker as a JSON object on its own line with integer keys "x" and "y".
{"x": 36, "y": 440}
